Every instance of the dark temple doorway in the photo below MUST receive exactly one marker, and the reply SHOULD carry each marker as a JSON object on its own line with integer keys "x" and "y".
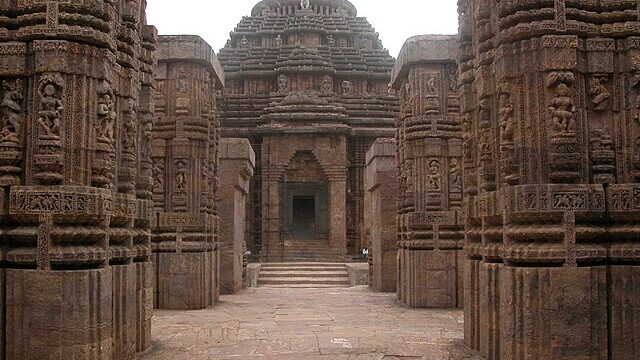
{"x": 304, "y": 217}
{"x": 306, "y": 211}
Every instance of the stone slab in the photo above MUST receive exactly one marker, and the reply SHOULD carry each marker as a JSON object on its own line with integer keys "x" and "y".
{"x": 358, "y": 273}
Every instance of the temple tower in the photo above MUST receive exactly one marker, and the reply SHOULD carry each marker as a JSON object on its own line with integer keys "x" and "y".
{"x": 307, "y": 85}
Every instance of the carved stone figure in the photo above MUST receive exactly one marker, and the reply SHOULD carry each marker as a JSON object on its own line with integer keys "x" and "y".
{"x": 331, "y": 41}
{"x": 129, "y": 127}
{"x": 244, "y": 42}
{"x": 327, "y": 84}
{"x": 106, "y": 114}
{"x": 50, "y": 106}
{"x": 506, "y": 113}
{"x": 600, "y": 95}
{"x": 346, "y": 87}
{"x": 11, "y": 107}
{"x": 455, "y": 175}
{"x": 181, "y": 174}
{"x": 283, "y": 83}
{"x": 278, "y": 41}
{"x": 562, "y": 109}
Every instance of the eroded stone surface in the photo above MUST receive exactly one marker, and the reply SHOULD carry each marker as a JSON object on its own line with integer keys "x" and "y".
{"x": 345, "y": 323}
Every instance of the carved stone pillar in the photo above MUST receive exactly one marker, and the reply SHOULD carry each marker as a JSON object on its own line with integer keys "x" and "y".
{"x": 551, "y": 248}
{"x": 67, "y": 232}
{"x": 430, "y": 165}
{"x": 184, "y": 152}
{"x": 381, "y": 197}
{"x": 237, "y": 161}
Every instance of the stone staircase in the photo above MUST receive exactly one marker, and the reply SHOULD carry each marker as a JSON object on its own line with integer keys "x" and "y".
{"x": 304, "y": 275}
{"x": 311, "y": 251}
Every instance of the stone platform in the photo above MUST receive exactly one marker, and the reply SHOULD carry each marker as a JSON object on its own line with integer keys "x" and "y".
{"x": 344, "y": 323}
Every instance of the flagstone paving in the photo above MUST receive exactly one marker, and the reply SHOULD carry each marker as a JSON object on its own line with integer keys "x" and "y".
{"x": 280, "y": 323}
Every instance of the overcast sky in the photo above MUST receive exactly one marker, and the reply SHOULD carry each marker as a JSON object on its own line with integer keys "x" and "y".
{"x": 395, "y": 20}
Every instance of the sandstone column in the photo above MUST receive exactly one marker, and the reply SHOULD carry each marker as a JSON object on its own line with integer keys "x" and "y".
{"x": 75, "y": 235}
{"x": 185, "y": 172}
{"x": 237, "y": 161}
{"x": 430, "y": 170}
{"x": 550, "y": 115}
{"x": 381, "y": 197}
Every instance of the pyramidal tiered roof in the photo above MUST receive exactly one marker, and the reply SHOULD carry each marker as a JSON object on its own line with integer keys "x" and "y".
{"x": 316, "y": 47}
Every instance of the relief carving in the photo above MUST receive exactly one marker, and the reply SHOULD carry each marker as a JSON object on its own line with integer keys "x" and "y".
{"x": 51, "y": 107}
{"x": 12, "y": 113}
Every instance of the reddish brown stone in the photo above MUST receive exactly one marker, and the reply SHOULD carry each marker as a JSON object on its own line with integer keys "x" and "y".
{"x": 185, "y": 171}
{"x": 430, "y": 173}
{"x": 144, "y": 304}
{"x": 59, "y": 314}
{"x": 380, "y": 201}
{"x": 624, "y": 312}
{"x": 184, "y": 280}
{"x": 237, "y": 161}
{"x": 551, "y": 142}
{"x": 75, "y": 122}
{"x": 308, "y": 86}
{"x": 124, "y": 311}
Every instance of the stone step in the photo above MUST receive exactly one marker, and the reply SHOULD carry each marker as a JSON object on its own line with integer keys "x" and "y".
{"x": 302, "y": 268}
{"x": 303, "y": 274}
{"x": 302, "y": 264}
{"x": 305, "y": 286}
{"x": 303, "y": 280}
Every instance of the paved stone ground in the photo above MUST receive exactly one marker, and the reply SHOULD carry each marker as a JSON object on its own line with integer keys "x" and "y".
{"x": 343, "y": 323}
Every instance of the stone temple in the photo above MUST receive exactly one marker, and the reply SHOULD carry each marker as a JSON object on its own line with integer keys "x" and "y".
{"x": 308, "y": 86}
{"x": 302, "y": 194}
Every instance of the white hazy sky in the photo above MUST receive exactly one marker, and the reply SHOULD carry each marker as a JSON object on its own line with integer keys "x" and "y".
{"x": 394, "y": 20}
